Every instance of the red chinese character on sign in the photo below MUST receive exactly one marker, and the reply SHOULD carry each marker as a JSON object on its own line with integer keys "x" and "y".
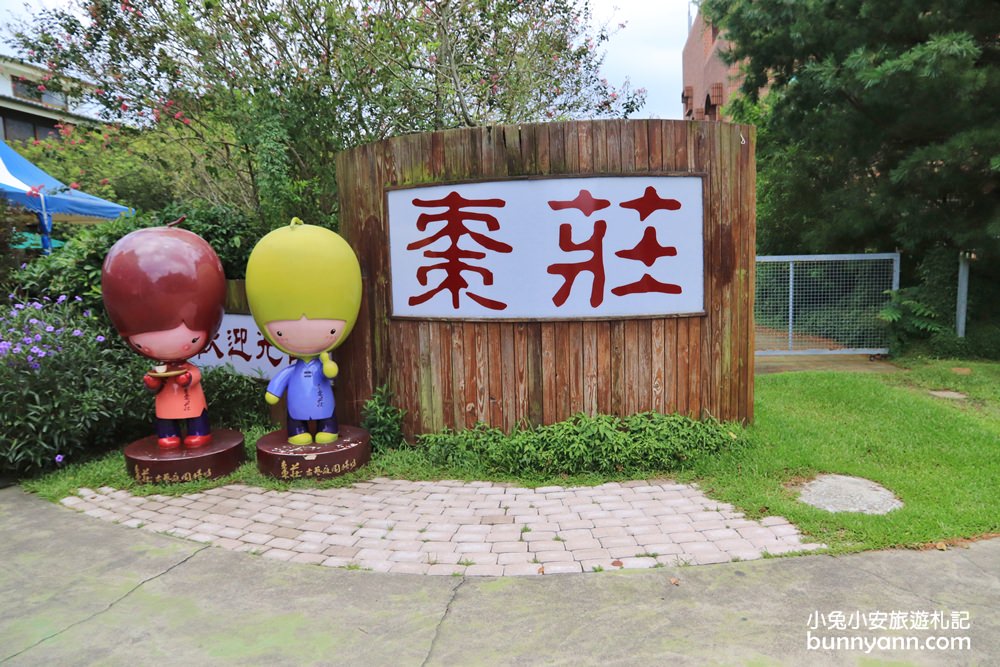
{"x": 570, "y": 271}
{"x": 237, "y": 339}
{"x": 650, "y": 202}
{"x": 647, "y": 251}
{"x": 454, "y": 264}
{"x": 586, "y": 204}
{"x": 264, "y": 352}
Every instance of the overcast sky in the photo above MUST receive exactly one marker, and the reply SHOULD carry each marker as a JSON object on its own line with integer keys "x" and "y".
{"x": 647, "y": 50}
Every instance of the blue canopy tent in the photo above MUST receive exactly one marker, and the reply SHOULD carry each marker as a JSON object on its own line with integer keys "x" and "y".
{"x": 25, "y": 185}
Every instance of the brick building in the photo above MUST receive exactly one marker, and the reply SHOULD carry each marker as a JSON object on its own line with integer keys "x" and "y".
{"x": 708, "y": 81}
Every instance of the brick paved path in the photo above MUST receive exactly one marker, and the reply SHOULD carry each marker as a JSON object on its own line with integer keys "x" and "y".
{"x": 464, "y": 528}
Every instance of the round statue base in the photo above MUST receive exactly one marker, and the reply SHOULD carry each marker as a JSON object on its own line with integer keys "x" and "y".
{"x": 277, "y": 458}
{"x": 149, "y": 463}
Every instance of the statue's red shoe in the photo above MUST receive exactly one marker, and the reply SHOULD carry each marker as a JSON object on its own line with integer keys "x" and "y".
{"x": 173, "y": 442}
{"x": 193, "y": 441}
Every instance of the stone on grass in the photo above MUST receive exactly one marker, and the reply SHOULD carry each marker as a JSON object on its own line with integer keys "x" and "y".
{"x": 839, "y": 493}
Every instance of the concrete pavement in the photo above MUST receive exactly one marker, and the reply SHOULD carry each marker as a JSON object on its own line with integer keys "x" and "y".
{"x": 75, "y": 590}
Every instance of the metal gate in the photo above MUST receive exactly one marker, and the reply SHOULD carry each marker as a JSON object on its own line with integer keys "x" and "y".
{"x": 823, "y": 304}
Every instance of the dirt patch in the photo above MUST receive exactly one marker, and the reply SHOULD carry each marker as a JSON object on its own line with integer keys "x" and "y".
{"x": 947, "y": 393}
{"x": 962, "y": 542}
{"x": 853, "y": 363}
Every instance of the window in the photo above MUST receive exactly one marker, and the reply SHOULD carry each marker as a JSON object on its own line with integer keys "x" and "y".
{"x": 23, "y": 127}
{"x": 27, "y": 89}
{"x": 16, "y": 129}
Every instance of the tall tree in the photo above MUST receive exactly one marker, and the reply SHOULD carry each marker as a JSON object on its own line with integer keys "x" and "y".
{"x": 880, "y": 127}
{"x": 266, "y": 91}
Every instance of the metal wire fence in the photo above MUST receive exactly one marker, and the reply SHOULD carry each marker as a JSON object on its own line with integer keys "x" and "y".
{"x": 823, "y": 304}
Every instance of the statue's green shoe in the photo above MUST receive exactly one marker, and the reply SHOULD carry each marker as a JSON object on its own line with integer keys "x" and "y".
{"x": 301, "y": 439}
{"x": 323, "y": 438}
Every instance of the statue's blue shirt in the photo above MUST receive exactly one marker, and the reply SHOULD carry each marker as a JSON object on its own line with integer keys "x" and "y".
{"x": 310, "y": 395}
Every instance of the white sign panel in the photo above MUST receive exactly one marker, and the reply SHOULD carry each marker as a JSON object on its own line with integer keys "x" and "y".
{"x": 554, "y": 248}
{"x": 240, "y": 343}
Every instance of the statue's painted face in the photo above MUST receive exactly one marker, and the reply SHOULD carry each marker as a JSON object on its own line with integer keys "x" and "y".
{"x": 304, "y": 337}
{"x": 175, "y": 344}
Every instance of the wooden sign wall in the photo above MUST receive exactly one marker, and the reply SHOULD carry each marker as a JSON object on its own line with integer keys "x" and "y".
{"x": 503, "y": 371}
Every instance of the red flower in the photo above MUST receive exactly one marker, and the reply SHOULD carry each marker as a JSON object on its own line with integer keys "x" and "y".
{"x": 124, "y": 107}
{"x": 74, "y": 186}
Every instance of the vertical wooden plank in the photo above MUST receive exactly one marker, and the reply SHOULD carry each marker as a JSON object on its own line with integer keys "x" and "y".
{"x": 594, "y": 147}
{"x": 604, "y": 367}
{"x": 412, "y": 381}
{"x": 631, "y": 354}
{"x": 549, "y": 371}
{"x": 657, "y": 380}
{"x": 445, "y": 340}
{"x": 508, "y": 377}
{"x": 654, "y": 142}
{"x": 522, "y": 373}
{"x": 494, "y": 378}
{"x": 683, "y": 353}
{"x": 425, "y": 379}
{"x": 695, "y": 369}
{"x": 640, "y": 144}
{"x": 616, "y": 335}
{"x": 472, "y": 363}
{"x": 457, "y": 354}
{"x": 671, "y": 334}
{"x": 590, "y": 367}
{"x": 482, "y": 346}
{"x": 614, "y": 142}
{"x": 536, "y": 374}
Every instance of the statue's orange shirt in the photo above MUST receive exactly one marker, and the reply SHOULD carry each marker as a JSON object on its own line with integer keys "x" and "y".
{"x": 177, "y": 402}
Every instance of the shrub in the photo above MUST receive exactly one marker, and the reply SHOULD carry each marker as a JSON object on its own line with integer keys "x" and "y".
{"x": 69, "y": 387}
{"x": 10, "y": 257}
{"x": 383, "y": 421}
{"x": 906, "y": 319}
{"x": 234, "y": 400}
{"x": 602, "y": 444}
{"x": 65, "y": 390}
{"x": 76, "y": 267}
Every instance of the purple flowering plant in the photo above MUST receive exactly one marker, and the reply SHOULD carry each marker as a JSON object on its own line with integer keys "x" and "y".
{"x": 67, "y": 384}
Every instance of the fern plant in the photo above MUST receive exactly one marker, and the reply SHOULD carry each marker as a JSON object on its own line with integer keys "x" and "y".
{"x": 908, "y": 319}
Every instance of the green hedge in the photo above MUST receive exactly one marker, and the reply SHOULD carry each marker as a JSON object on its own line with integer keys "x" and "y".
{"x": 602, "y": 444}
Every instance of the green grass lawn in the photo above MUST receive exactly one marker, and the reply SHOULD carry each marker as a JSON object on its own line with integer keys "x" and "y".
{"x": 940, "y": 457}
